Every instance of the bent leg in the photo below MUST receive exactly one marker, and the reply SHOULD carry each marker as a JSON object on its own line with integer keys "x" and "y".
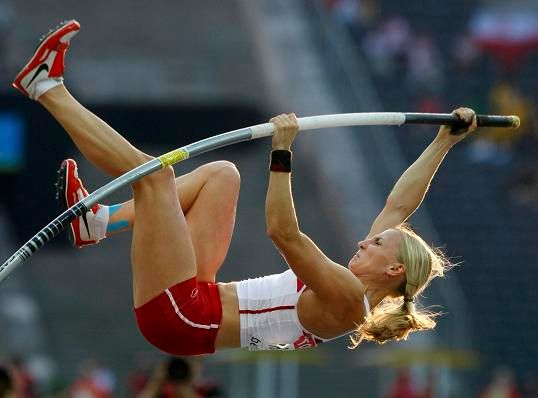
{"x": 211, "y": 220}
{"x": 162, "y": 254}
{"x": 208, "y": 197}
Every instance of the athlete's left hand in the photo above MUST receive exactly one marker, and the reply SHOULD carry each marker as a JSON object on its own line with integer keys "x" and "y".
{"x": 286, "y": 128}
{"x": 466, "y": 114}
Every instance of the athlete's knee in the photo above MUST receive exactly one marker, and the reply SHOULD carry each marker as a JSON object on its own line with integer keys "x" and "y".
{"x": 157, "y": 179}
{"x": 227, "y": 173}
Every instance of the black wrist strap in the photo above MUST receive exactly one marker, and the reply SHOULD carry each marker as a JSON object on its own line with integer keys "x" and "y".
{"x": 280, "y": 161}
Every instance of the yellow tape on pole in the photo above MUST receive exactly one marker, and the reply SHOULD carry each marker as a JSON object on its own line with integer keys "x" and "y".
{"x": 173, "y": 157}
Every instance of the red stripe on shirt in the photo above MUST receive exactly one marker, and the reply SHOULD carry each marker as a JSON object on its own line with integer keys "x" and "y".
{"x": 271, "y": 309}
{"x": 300, "y": 284}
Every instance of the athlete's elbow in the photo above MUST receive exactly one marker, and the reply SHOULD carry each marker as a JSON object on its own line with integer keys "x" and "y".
{"x": 279, "y": 227}
{"x": 398, "y": 204}
{"x": 282, "y": 233}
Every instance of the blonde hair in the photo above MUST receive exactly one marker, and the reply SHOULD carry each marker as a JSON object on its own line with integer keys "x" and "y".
{"x": 396, "y": 317}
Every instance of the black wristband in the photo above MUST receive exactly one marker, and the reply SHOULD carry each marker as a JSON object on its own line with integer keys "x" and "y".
{"x": 280, "y": 161}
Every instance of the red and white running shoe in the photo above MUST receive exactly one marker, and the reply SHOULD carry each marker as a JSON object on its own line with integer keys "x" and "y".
{"x": 48, "y": 59}
{"x": 89, "y": 228}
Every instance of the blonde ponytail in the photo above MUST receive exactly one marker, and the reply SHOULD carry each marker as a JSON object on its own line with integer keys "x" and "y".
{"x": 396, "y": 317}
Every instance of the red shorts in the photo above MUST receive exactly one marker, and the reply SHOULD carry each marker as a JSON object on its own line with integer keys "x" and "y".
{"x": 184, "y": 319}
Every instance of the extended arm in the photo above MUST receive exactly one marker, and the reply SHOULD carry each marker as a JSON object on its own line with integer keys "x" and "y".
{"x": 411, "y": 187}
{"x": 326, "y": 278}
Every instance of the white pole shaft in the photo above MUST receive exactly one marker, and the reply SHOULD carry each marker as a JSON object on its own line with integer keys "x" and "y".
{"x": 337, "y": 120}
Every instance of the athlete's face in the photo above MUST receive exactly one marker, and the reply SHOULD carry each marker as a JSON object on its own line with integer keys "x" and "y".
{"x": 377, "y": 256}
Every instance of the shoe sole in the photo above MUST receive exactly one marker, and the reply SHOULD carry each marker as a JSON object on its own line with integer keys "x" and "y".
{"x": 61, "y": 196}
{"x": 38, "y": 53}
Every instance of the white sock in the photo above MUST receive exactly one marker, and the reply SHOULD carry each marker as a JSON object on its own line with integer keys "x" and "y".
{"x": 41, "y": 87}
{"x": 100, "y": 223}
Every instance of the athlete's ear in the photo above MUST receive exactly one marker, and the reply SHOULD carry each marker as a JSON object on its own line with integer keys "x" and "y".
{"x": 395, "y": 269}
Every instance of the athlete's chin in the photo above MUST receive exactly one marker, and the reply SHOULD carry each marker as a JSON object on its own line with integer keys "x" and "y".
{"x": 353, "y": 266}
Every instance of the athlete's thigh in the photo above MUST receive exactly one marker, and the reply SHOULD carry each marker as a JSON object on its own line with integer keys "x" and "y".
{"x": 162, "y": 252}
{"x": 211, "y": 220}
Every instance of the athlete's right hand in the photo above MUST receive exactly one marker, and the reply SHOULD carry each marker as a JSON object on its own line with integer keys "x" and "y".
{"x": 286, "y": 128}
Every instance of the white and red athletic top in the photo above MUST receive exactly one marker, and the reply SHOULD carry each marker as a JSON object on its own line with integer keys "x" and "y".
{"x": 268, "y": 314}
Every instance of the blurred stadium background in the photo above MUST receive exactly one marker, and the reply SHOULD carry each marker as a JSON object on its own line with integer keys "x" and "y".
{"x": 167, "y": 73}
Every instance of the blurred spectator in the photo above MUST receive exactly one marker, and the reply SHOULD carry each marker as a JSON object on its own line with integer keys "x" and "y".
{"x": 430, "y": 103}
{"x": 171, "y": 379}
{"x": 7, "y": 383}
{"x": 403, "y": 386}
{"x": 429, "y": 388}
{"x": 395, "y": 51}
{"x": 347, "y": 11}
{"x": 25, "y": 380}
{"x": 387, "y": 46}
{"x": 180, "y": 378}
{"x": 495, "y": 146}
{"x": 508, "y": 31}
{"x": 139, "y": 375}
{"x": 425, "y": 67}
{"x": 502, "y": 385}
{"x": 210, "y": 389}
{"x": 358, "y": 15}
{"x": 95, "y": 381}
{"x": 465, "y": 53}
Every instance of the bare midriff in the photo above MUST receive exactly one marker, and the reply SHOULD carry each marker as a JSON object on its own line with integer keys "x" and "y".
{"x": 228, "y": 335}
